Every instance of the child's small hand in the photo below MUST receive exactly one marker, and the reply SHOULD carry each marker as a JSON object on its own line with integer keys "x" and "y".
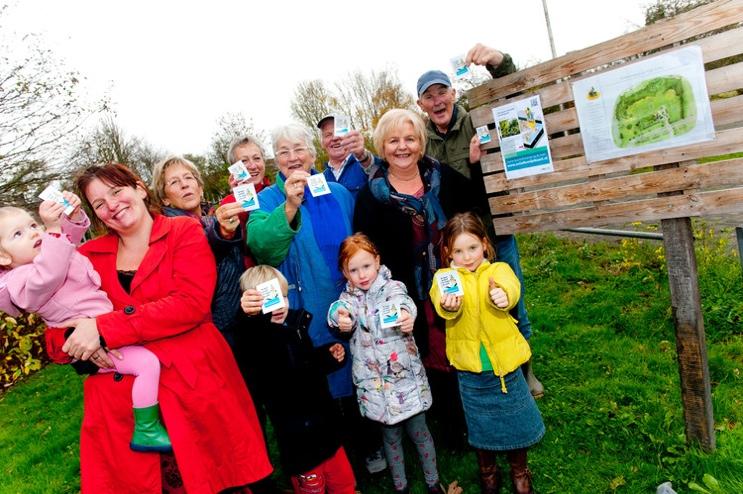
{"x": 338, "y": 352}
{"x": 50, "y": 213}
{"x": 406, "y": 321}
{"x": 251, "y": 302}
{"x": 497, "y": 294}
{"x": 451, "y": 302}
{"x": 454, "y": 488}
{"x": 76, "y": 214}
{"x": 345, "y": 323}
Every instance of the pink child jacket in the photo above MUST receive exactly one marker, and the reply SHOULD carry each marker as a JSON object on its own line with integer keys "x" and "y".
{"x": 60, "y": 283}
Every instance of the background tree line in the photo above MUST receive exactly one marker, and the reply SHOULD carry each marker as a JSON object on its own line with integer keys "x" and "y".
{"x": 48, "y": 129}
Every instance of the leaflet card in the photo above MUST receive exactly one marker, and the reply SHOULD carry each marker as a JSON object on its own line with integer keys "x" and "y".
{"x": 51, "y": 193}
{"x": 449, "y": 283}
{"x": 318, "y": 185}
{"x": 389, "y": 315}
{"x": 273, "y": 299}
{"x": 246, "y": 196}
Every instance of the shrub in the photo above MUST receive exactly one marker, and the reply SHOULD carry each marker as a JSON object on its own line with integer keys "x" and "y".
{"x": 22, "y": 344}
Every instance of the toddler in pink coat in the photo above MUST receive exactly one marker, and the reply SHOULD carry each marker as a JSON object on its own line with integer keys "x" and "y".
{"x": 42, "y": 272}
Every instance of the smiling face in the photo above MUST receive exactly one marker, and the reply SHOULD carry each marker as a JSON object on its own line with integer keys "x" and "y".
{"x": 20, "y": 239}
{"x": 402, "y": 148}
{"x": 438, "y": 103}
{"x": 362, "y": 269}
{"x": 120, "y": 208}
{"x": 331, "y": 143}
{"x": 468, "y": 251}
{"x": 182, "y": 189}
{"x": 251, "y": 156}
{"x": 292, "y": 156}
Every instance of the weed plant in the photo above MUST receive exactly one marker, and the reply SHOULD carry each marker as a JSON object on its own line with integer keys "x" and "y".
{"x": 604, "y": 347}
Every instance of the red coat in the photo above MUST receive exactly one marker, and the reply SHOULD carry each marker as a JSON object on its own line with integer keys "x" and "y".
{"x": 205, "y": 405}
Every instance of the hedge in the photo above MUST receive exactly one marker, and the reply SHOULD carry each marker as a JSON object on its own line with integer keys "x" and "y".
{"x": 22, "y": 344}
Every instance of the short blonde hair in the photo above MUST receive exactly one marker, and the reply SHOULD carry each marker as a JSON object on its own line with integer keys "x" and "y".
{"x": 252, "y": 277}
{"x": 394, "y": 119}
{"x": 158, "y": 174}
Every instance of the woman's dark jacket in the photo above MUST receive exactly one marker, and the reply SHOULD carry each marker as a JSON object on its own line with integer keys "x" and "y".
{"x": 228, "y": 255}
{"x": 391, "y": 230}
{"x": 289, "y": 376}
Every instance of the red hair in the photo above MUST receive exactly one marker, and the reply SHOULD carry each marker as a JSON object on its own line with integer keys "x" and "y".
{"x": 351, "y": 245}
{"x": 115, "y": 175}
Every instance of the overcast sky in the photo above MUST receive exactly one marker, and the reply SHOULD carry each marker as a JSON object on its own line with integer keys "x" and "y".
{"x": 171, "y": 68}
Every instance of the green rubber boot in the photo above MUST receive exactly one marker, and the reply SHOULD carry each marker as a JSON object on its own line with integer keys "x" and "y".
{"x": 149, "y": 433}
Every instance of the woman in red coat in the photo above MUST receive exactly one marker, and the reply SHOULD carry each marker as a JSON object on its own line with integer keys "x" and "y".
{"x": 159, "y": 273}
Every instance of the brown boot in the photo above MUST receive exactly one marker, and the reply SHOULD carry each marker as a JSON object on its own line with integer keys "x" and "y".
{"x": 520, "y": 474}
{"x": 535, "y": 387}
{"x": 489, "y": 477}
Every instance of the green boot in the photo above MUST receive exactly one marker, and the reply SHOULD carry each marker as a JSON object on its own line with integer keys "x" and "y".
{"x": 149, "y": 433}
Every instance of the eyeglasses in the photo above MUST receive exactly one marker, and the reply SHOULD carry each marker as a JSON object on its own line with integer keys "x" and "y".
{"x": 286, "y": 153}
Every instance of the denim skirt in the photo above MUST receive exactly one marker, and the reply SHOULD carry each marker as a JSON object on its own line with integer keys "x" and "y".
{"x": 499, "y": 421}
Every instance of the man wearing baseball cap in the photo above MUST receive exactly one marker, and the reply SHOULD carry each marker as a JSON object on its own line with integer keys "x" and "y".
{"x": 348, "y": 161}
{"x": 452, "y": 139}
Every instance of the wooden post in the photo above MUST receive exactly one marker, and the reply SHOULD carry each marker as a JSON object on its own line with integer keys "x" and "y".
{"x": 691, "y": 350}
{"x": 739, "y": 235}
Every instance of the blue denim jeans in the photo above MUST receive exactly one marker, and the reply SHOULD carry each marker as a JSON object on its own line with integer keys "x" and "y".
{"x": 506, "y": 250}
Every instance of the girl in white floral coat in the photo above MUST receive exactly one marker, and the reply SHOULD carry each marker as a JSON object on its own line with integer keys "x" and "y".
{"x": 390, "y": 380}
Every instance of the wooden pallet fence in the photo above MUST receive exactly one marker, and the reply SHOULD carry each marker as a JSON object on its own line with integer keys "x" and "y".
{"x": 667, "y": 185}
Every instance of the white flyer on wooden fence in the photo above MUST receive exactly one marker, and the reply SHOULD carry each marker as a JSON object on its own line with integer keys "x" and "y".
{"x": 523, "y": 138}
{"x": 656, "y": 103}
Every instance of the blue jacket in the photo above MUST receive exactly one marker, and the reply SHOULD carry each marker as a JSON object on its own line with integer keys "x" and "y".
{"x": 293, "y": 250}
{"x": 353, "y": 177}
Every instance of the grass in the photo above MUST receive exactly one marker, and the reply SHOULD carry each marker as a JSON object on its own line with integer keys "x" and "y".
{"x": 603, "y": 346}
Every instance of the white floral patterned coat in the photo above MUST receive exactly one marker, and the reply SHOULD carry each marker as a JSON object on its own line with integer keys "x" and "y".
{"x": 390, "y": 380}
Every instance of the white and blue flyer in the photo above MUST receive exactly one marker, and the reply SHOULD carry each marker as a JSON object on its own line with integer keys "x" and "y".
{"x": 449, "y": 283}
{"x": 51, "y": 193}
{"x": 341, "y": 125}
{"x": 239, "y": 171}
{"x": 389, "y": 315}
{"x": 461, "y": 69}
{"x": 273, "y": 299}
{"x": 318, "y": 185}
{"x": 523, "y": 138}
{"x": 246, "y": 196}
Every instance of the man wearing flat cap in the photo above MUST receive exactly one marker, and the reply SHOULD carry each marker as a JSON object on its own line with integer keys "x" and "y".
{"x": 348, "y": 161}
{"x": 452, "y": 139}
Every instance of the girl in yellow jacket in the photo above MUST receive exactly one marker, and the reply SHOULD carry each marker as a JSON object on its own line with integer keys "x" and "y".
{"x": 485, "y": 346}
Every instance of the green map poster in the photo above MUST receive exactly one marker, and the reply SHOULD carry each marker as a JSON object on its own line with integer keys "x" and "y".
{"x": 659, "y": 102}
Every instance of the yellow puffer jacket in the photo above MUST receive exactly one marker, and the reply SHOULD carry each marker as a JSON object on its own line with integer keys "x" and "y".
{"x": 478, "y": 321}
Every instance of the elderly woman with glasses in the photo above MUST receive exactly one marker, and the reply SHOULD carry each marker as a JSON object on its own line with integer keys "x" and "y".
{"x": 300, "y": 235}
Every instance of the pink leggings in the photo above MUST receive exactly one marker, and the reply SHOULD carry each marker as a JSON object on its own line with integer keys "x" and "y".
{"x": 145, "y": 367}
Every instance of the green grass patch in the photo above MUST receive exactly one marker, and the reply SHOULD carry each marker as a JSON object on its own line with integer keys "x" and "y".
{"x": 604, "y": 347}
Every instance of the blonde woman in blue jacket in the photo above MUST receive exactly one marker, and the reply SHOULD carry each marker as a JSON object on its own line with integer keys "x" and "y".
{"x": 485, "y": 346}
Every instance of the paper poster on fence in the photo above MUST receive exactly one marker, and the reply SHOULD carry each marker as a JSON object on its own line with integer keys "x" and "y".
{"x": 523, "y": 138}
{"x": 657, "y": 103}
